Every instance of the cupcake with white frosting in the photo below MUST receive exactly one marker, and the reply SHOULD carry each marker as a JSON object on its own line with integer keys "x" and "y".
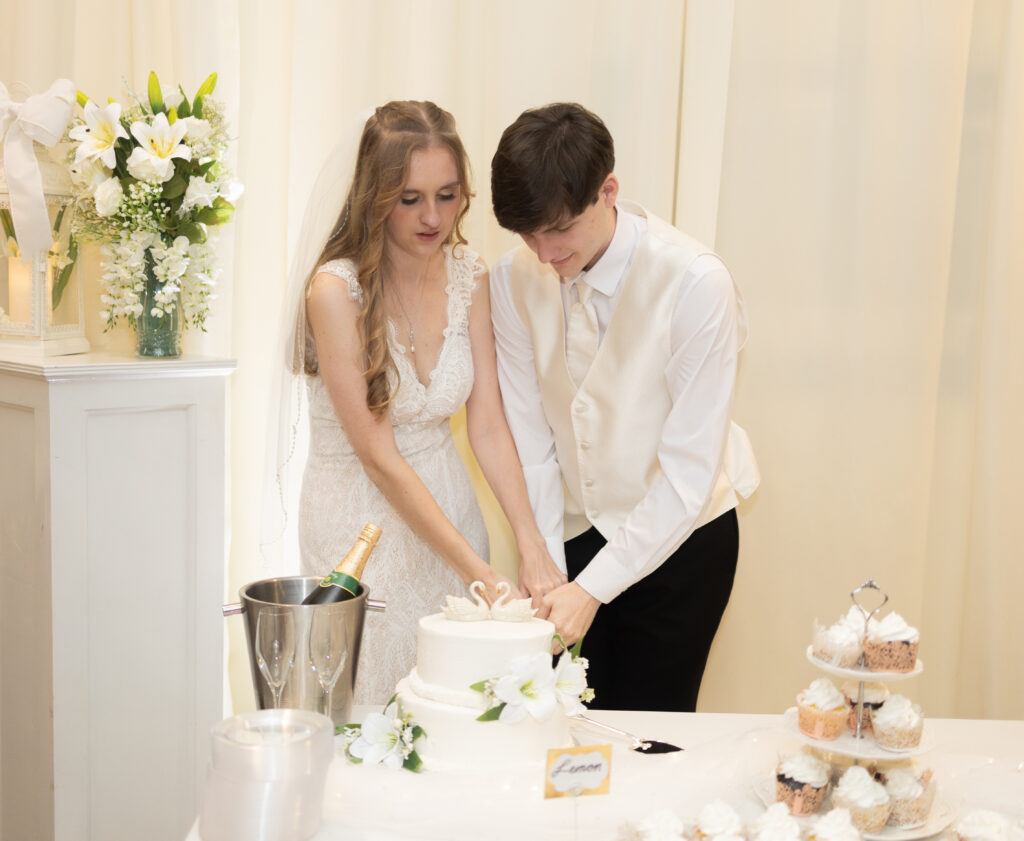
{"x": 911, "y": 795}
{"x": 983, "y": 825}
{"x": 891, "y": 645}
{"x": 875, "y": 694}
{"x": 865, "y": 797}
{"x": 822, "y": 710}
{"x": 718, "y": 820}
{"x": 776, "y": 824}
{"x": 897, "y": 724}
{"x": 801, "y": 782}
{"x": 840, "y": 644}
{"x": 835, "y": 825}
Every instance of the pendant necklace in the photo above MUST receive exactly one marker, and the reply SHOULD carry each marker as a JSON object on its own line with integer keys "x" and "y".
{"x": 412, "y": 335}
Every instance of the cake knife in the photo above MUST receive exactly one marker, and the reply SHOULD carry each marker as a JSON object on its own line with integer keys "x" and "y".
{"x": 647, "y": 746}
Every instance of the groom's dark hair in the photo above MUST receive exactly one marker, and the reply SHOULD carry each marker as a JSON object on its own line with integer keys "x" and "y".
{"x": 549, "y": 166}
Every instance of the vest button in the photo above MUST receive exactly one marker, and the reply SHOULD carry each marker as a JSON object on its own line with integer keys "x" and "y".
{"x": 593, "y": 515}
{"x": 584, "y": 445}
{"x": 588, "y": 483}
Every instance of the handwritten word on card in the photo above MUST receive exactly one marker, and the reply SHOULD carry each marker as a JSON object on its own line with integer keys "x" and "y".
{"x": 581, "y": 770}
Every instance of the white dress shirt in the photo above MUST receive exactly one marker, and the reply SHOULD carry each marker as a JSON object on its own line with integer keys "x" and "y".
{"x": 707, "y": 330}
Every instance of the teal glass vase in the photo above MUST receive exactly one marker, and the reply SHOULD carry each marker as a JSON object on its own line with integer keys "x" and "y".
{"x": 157, "y": 335}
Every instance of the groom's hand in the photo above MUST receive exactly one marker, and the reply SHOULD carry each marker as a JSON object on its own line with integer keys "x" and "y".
{"x": 539, "y": 576}
{"x": 572, "y": 610}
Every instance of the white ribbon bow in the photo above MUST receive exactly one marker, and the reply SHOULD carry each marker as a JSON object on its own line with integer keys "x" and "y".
{"x": 41, "y": 118}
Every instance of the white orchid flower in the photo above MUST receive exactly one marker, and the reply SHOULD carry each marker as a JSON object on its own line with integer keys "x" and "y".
{"x": 570, "y": 683}
{"x": 159, "y": 144}
{"x": 101, "y": 131}
{"x": 379, "y": 741}
{"x": 529, "y": 689}
{"x": 108, "y": 197}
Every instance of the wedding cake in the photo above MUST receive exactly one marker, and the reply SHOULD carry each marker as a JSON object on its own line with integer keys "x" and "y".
{"x": 452, "y": 656}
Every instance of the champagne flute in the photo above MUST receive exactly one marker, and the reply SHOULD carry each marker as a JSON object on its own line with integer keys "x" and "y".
{"x": 275, "y": 648}
{"x": 328, "y": 650}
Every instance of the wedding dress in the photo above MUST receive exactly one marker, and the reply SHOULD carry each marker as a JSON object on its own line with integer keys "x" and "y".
{"x": 338, "y": 498}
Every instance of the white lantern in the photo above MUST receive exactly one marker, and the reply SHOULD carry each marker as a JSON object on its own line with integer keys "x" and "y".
{"x": 41, "y": 300}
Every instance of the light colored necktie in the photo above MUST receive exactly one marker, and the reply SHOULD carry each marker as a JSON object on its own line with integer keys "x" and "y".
{"x": 581, "y": 334}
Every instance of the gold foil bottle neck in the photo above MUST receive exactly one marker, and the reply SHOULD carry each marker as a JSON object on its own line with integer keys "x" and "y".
{"x": 355, "y": 561}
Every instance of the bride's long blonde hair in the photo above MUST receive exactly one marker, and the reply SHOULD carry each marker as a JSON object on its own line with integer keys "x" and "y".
{"x": 390, "y": 136}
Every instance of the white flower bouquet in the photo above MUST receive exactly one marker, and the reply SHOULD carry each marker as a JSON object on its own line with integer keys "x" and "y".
{"x": 387, "y": 738}
{"x": 149, "y": 181}
{"x": 534, "y": 688}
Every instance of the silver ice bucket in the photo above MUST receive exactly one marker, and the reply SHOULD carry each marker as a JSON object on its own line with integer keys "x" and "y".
{"x": 342, "y": 622}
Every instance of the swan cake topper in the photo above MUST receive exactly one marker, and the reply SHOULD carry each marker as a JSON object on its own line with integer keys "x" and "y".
{"x": 460, "y": 609}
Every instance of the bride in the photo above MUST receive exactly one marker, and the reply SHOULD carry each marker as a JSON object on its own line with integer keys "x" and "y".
{"x": 396, "y": 336}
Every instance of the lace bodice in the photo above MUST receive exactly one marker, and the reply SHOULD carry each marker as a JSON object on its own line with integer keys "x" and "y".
{"x": 338, "y": 498}
{"x": 416, "y": 407}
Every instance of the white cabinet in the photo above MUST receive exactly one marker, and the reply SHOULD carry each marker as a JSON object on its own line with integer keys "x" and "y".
{"x": 112, "y": 558}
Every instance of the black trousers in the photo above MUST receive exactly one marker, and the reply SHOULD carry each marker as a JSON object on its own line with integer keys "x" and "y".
{"x": 648, "y": 646}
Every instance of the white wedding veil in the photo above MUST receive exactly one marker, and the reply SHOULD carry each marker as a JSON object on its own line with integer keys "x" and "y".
{"x": 287, "y": 432}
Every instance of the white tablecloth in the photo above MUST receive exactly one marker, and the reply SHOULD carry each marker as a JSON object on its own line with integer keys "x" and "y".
{"x": 980, "y": 765}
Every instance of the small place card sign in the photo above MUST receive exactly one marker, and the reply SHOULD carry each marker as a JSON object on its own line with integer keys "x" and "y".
{"x": 586, "y": 769}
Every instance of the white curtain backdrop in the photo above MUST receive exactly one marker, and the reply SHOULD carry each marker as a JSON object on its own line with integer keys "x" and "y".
{"x": 860, "y": 167}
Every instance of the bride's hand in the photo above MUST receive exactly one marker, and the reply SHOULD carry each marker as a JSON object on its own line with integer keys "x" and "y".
{"x": 491, "y": 582}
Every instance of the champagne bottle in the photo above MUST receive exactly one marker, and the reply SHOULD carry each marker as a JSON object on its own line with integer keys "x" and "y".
{"x": 343, "y": 583}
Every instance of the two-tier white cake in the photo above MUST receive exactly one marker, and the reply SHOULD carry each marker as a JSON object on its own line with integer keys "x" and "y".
{"x": 451, "y": 657}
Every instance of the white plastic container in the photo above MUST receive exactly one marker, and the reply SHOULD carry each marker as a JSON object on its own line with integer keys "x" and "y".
{"x": 265, "y": 781}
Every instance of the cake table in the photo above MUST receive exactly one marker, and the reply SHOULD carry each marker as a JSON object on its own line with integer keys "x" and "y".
{"x": 980, "y": 763}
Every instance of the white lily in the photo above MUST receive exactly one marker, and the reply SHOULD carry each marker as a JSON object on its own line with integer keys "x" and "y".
{"x": 89, "y": 174}
{"x": 159, "y": 144}
{"x": 101, "y": 131}
{"x": 570, "y": 682}
{"x": 529, "y": 689}
{"x": 379, "y": 741}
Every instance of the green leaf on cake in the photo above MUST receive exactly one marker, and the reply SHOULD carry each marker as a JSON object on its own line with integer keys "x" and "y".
{"x": 479, "y": 687}
{"x": 412, "y": 762}
{"x": 491, "y": 714}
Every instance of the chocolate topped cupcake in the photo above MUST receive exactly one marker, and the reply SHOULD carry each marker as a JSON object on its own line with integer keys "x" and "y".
{"x": 875, "y": 695}
{"x": 801, "y": 782}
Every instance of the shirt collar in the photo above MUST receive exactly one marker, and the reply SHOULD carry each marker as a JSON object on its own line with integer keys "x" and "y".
{"x": 606, "y": 274}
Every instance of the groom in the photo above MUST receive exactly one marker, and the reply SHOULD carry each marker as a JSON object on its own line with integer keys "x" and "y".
{"x": 617, "y": 340}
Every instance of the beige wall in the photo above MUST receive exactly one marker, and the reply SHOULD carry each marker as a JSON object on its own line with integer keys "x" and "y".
{"x": 857, "y": 164}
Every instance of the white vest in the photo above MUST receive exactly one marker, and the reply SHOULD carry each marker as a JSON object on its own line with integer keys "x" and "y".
{"x": 607, "y": 432}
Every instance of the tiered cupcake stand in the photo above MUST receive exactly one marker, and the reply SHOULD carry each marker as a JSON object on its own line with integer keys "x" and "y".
{"x": 858, "y": 746}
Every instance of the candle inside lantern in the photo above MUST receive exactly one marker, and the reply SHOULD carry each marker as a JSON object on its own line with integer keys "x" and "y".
{"x": 19, "y": 290}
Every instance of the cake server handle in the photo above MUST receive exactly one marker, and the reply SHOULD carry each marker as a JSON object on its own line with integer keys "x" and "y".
{"x": 636, "y": 743}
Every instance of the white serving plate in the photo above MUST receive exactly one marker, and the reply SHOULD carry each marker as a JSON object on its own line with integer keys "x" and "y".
{"x": 862, "y": 673}
{"x": 941, "y": 816}
{"x": 849, "y": 745}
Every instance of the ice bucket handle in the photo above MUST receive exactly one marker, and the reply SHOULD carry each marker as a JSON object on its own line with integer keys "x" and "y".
{"x": 236, "y": 608}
